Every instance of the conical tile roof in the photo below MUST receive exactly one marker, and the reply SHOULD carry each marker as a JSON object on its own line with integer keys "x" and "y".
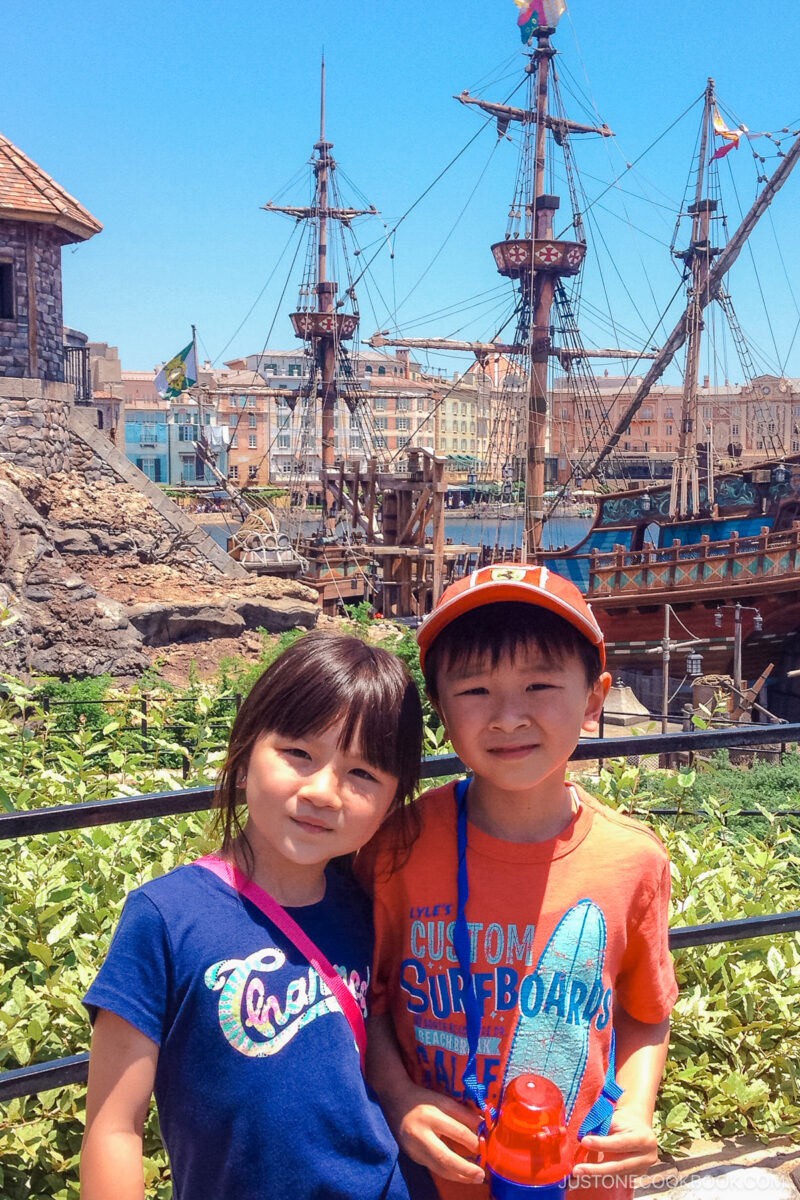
{"x": 27, "y": 193}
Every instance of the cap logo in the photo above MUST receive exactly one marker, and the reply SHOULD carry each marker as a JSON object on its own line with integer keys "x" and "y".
{"x": 509, "y": 574}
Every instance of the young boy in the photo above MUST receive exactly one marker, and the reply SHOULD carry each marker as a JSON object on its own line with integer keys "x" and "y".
{"x": 563, "y": 922}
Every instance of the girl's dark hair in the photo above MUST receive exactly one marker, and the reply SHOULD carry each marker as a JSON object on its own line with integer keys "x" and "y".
{"x": 319, "y": 680}
{"x": 496, "y": 630}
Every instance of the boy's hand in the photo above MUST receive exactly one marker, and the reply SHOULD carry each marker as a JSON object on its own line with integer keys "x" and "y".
{"x": 628, "y": 1149}
{"x": 424, "y": 1122}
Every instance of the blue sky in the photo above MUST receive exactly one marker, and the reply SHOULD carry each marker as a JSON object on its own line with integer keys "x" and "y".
{"x": 174, "y": 121}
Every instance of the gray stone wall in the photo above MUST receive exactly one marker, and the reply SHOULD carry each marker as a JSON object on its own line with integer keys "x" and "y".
{"x": 34, "y": 424}
{"x": 45, "y": 243}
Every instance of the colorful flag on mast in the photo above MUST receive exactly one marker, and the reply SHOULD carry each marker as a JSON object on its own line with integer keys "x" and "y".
{"x": 536, "y": 13}
{"x": 178, "y": 374}
{"x": 731, "y": 136}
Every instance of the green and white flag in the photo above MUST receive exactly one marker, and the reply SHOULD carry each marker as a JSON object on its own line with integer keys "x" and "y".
{"x": 178, "y": 374}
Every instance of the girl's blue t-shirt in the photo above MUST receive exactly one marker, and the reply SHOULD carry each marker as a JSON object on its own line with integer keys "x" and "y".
{"x": 258, "y": 1085}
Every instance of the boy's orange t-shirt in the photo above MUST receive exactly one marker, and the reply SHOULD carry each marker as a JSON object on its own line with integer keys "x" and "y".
{"x": 561, "y": 932}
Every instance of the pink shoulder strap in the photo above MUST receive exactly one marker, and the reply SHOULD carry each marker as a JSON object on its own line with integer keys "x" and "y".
{"x": 229, "y": 873}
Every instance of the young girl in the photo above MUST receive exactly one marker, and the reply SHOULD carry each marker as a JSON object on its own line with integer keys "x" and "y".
{"x": 205, "y": 1001}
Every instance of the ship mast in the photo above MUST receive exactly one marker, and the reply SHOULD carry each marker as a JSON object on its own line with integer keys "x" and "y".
{"x": 685, "y": 491}
{"x": 322, "y": 326}
{"x": 711, "y": 287}
{"x": 533, "y": 258}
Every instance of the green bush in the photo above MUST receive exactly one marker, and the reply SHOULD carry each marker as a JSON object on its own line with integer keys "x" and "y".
{"x": 733, "y": 1064}
{"x": 735, "y": 1045}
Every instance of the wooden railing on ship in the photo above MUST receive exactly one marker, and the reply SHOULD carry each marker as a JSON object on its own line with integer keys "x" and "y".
{"x": 767, "y": 555}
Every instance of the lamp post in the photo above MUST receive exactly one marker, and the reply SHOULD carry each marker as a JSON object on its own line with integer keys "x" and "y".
{"x": 758, "y": 625}
{"x": 694, "y": 663}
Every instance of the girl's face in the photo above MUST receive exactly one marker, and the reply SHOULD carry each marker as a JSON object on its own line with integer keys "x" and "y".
{"x": 309, "y": 801}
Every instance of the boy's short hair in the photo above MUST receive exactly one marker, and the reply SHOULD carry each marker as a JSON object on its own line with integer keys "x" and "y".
{"x": 495, "y": 610}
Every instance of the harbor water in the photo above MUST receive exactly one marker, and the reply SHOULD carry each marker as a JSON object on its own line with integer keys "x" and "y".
{"x": 469, "y": 531}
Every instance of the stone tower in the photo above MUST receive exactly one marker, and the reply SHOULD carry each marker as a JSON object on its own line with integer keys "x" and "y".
{"x": 37, "y": 218}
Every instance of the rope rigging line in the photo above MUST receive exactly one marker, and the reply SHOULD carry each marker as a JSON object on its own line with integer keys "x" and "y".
{"x": 755, "y": 272}
{"x": 442, "y": 173}
{"x": 258, "y": 297}
{"x": 450, "y": 233}
{"x": 629, "y": 166}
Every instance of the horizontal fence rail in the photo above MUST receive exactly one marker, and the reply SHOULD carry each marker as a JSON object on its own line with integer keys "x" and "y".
{"x": 164, "y": 804}
{"x": 57, "y": 1073}
{"x": 60, "y": 1072}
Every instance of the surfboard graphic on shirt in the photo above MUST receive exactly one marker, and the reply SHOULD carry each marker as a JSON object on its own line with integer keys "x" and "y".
{"x": 559, "y": 1002}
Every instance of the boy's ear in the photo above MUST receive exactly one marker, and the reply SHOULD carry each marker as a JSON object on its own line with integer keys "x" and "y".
{"x": 595, "y": 702}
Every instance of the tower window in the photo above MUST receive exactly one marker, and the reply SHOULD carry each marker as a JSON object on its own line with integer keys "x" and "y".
{"x": 6, "y": 291}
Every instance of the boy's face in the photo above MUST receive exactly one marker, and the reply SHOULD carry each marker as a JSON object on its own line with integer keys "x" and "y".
{"x": 516, "y": 724}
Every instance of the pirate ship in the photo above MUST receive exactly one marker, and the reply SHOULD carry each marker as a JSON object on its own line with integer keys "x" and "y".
{"x": 707, "y": 537}
{"x": 373, "y": 539}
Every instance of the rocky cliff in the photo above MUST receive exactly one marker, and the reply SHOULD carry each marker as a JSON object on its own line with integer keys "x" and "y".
{"x": 95, "y": 575}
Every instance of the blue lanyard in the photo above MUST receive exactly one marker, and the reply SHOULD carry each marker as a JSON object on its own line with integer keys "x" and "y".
{"x": 461, "y": 942}
{"x": 598, "y": 1119}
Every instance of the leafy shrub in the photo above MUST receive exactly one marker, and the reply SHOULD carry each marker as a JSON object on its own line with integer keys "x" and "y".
{"x": 735, "y": 1042}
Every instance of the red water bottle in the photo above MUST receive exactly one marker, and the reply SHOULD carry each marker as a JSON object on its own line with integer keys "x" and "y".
{"x": 528, "y": 1154}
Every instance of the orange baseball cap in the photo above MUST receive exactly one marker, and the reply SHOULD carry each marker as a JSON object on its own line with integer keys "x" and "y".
{"x": 521, "y": 582}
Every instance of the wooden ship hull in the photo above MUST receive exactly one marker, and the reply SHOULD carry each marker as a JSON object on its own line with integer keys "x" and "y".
{"x": 634, "y": 561}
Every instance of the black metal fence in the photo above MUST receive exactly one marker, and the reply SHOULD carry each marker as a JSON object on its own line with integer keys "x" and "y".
{"x": 30, "y": 1080}
{"x": 78, "y": 371}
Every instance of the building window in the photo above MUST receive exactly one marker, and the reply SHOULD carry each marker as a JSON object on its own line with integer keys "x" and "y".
{"x": 403, "y": 404}
{"x": 252, "y": 471}
{"x": 284, "y": 441}
{"x": 187, "y": 433}
{"x": 795, "y": 447}
{"x": 234, "y": 441}
{"x": 270, "y": 368}
{"x": 381, "y": 370}
{"x": 564, "y": 414}
{"x": 587, "y": 412}
{"x": 252, "y": 441}
{"x": 233, "y": 473}
{"x": 355, "y": 442}
{"x": 669, "y": 431}
{"x": 379, "y": 443}
{"x": 403, "y": 423}
{"x": 381, "y": 422}
{"x": 151, "y": 467}
{"x": 707, "y": 413}
{"x": 463, "y": 443}
{"x": 668, "y": 413}
{"x": 251, "y": 401}
{"x": 380, "y": 404}
{"x": 647, "y": 432}
{"x": 149, "y": 437}
{"x": 734, "y": 430}
{"x": 759, "y": 444}
{"x": 295, "y": 369}
{"x": 367, "y": 369}
{"x": 772, "y": 426}
{"x": 6, "y": 291}
{"x": 234, "y": 401}
{"x": 251, "y": 420}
